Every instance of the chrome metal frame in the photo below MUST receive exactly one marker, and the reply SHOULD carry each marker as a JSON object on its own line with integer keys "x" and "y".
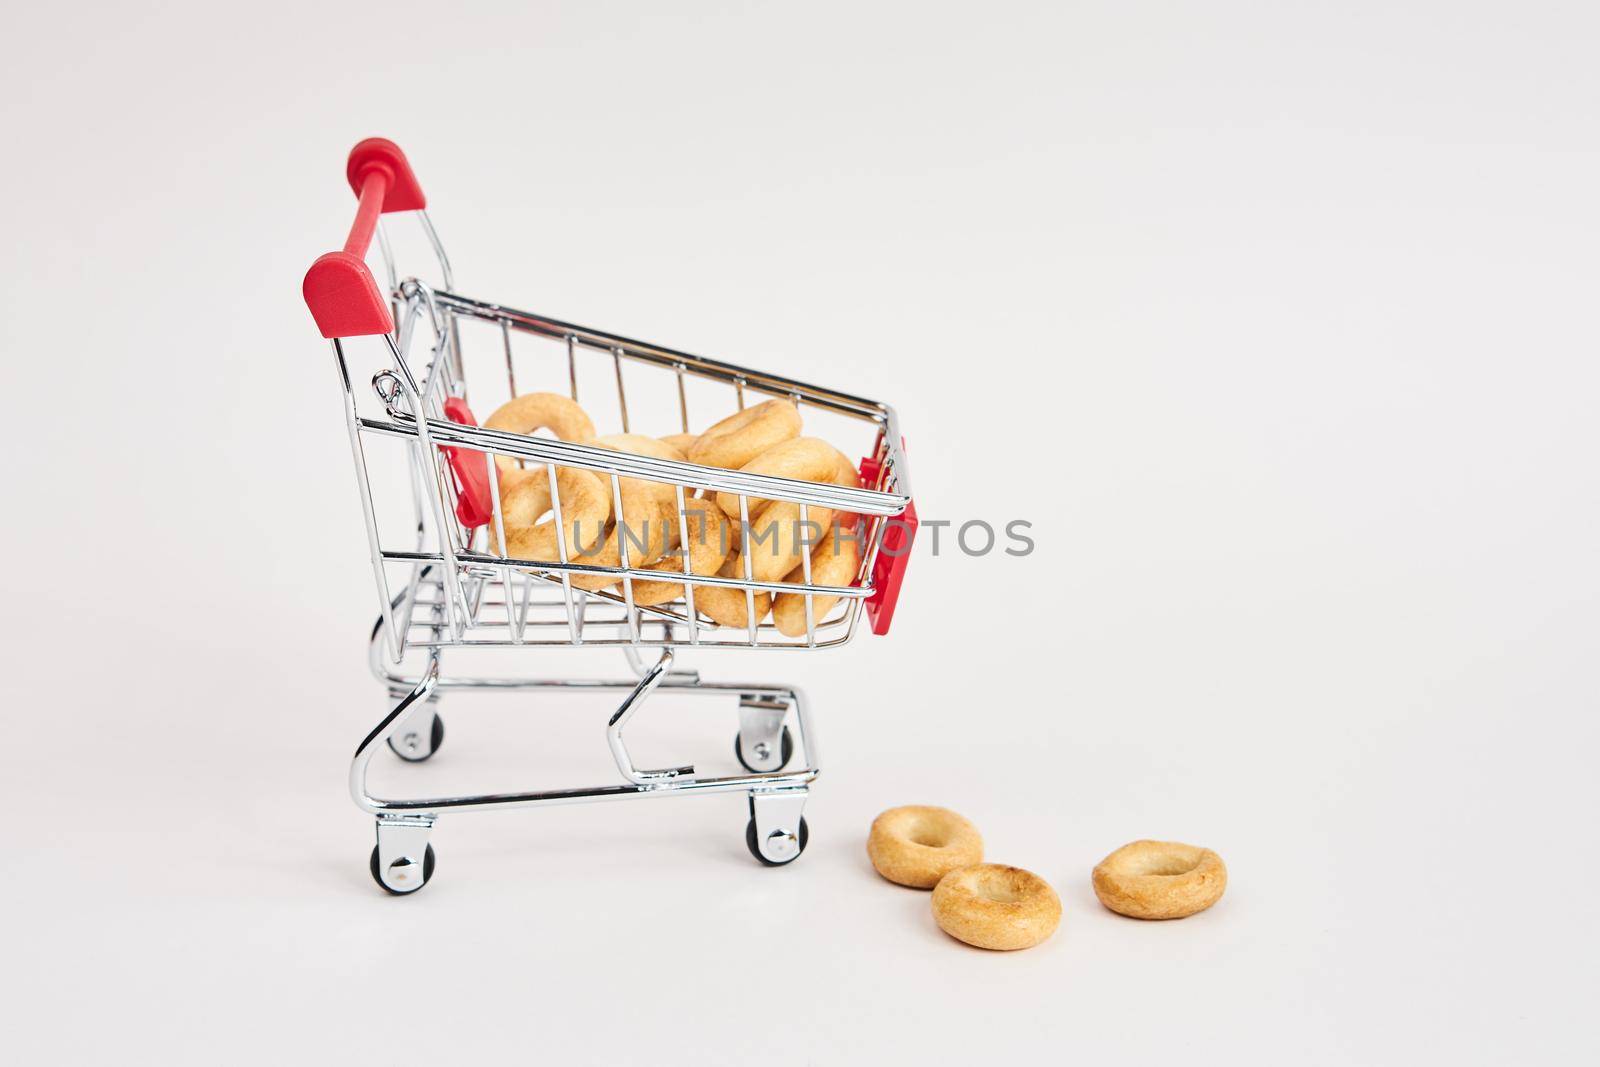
{"x": 459, "y": 593}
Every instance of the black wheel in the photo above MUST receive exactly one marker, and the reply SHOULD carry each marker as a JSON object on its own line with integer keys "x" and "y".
{"x": 750, "y": 843}
{"x": 786, "y": 750}
{"x": 436, "y": 738}
{"x": 427, "y": 872}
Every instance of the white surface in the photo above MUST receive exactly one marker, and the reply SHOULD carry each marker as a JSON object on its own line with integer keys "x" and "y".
{"x": 1294, "y": 300}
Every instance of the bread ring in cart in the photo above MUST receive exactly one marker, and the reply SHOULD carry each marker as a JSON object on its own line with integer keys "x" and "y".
{"x": 833, "y": 562}
{"x": 710, "y": 540}
{"x": 778, "y": 537}
{"x": 649, "y": 516}
{"x": 585, "y": 508}
{"x": 744, "y": 435}
{"x": 532, "y": 412}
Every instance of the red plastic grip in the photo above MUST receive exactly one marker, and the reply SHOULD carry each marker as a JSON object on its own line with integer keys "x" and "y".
{"x": 382, "y": 156}
{"x": 894, "y": 555}
{"x": 474, "y": 505}
{"x": 343, "y": 296}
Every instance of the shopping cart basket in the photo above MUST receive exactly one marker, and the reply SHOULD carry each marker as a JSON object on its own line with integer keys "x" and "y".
{"x": 431, "y": 493}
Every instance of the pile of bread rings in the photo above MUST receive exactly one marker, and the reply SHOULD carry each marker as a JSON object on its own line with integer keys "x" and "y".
{"x": 994, "y": 906}
{"x": 764, "y": 439}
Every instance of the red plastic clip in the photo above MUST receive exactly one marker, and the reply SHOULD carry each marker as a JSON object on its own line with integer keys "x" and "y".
{"x": 474, "y": 507}
{"x": 894, "y": 554}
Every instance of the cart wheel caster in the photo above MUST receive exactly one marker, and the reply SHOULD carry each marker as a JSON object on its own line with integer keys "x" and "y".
{"x": 400, "y": 875}
{"x": 792, "y": 845}
{"x": 412, "y": 747}
{"x": 785, "y": 751}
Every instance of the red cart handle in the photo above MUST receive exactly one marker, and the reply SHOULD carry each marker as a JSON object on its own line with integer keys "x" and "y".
{"x": 343, "y": 296}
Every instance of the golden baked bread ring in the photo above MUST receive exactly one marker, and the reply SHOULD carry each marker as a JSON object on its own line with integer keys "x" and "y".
{"x": 650, "y": 527}
{"x": 806, "y": 459}
{"x": 585, "y": 507}
{"x": 1160, "y": 880}
{"x": 681, "y": 441}
{"x": 638, "y": 444}
{"x": 744, "y": 435}
{"x": 709, "y": 543}
{"x": 833, "y": 562}
{"x": 997, "y": 907}
{"x": 639, "y": 489}
{"x": 917, "y": 845}
{"x": 649, "y": 509}
{"x": 539, "y": 411}
{"x": 778, "y": 538}
{"x": 728, "y": 607}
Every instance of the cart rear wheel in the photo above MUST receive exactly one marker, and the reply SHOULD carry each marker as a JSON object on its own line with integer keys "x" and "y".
{"x": 427, "y": 873}
{"x": 785, "y": 752}
{"x": 755, "y": 850}
{"x": 410, "y": 747}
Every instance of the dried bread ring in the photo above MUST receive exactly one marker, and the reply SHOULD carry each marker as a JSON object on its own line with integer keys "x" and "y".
{"x": 531, "y": 412}
{"x": 917, "y": 845}
{"x": 1160, "y": 880}
{"x": 650, "y": 528}
{"x": 637, "y": 492}
{"x": 778, "y": 538}
{"x": 727, "y": 606}
{"x": 805, "y": 459}
{"x": 649, "y": 512}
{"x": 638, "y": 444}
{"x": 585, "y": 507}
{"x": 833, "y": 562}
{"x": 681, "y": 441}
{"x": 525, "y": 494}
{"x": 994, "y": 906}
{"x": 744, "y": 435}
{"x": 709, "y": 544}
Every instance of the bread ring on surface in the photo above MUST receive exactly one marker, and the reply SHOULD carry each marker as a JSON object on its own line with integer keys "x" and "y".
{"x": 994, "y": 906}
{"x": 709, "y": 545}
{"x": 539, "y": 411}
{"x": 585, "y": 507}
{"x": 744, "y": 435}
{"x": 917, "y": 845}
{"x": 1160, "y": 880}
{"x": 728, "y": 607}
{"x": 833, "y": 562}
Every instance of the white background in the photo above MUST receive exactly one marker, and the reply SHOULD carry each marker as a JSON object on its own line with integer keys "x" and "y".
{"x": 1276, "y": 320}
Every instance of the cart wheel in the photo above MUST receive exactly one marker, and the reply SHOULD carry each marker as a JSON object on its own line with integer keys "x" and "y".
{"x": 786, "y": 750}
{"x": 427, "y": 873}
{"x": 410, "y": 748}
{"x": 750, "y": 843}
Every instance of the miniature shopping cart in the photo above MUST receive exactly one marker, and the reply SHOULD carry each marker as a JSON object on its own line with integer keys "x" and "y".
{"x": 430, "y": 492}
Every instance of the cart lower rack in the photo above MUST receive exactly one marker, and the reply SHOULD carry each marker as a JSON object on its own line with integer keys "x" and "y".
{"x": 448, "y": 526}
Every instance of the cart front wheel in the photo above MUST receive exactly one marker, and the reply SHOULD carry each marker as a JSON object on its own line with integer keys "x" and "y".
{"x": 785, "y": 753}
{"x": 414, "y": 746}
{"x": 427, "y": 873}
{"x": 789, "y": 848}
